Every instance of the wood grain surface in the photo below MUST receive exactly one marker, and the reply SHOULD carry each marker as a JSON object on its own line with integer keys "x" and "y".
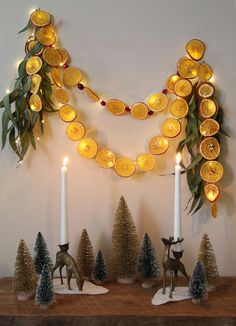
{"x": 123, "y": 305}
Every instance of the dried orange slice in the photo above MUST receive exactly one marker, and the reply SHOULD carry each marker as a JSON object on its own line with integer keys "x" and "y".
{"x": 33, "y": 65}
{"x": 212, "y": 192}
{"x": 56, "y": 76}
{"x": 91, "y": 94}
{"x": 179, "y": 108}
{"x": 183, "y": 87}
{"x": 71, "y": 76}
{"x": 67, "y": 113}
{"x": 87, "y": 148}
{"x": 195, "y": 49}
{"x": 30, "y": 45}
{"x": 187, "y": 68}
{"x": 170, "y": 82}
{"x": 45, "y": 37}
{"x": 62, "y": 95}
{"x": 204, "y": 72}
{"x": 49, "y": 28}
{"x": 116, "y": 107}
{"x": 209, "y": 127}
{"x": 214, "y": 210}
{"x": 211, "y": 171}
{"x": 139, "y": 110}
{"x": 125, "y": 167}
{"x": 158, "y": 102}
{"x": 35, "y": 83}
{"x": 171, "y": 128}
{"x": 206, "y": 90}
{"x": 207, "y": 108}
{"x": 75, "y": 131}
{"x": 40, "y": 18}
{"x": 145, "y": 162}
{"x": 210, "y": 148}
{"x": 52, "y": 56}
{"x": 64, "y": 56}
{"x": 105, "y": 158}
{"x": 158, "y": 145}
{"x": 35, "y": 103}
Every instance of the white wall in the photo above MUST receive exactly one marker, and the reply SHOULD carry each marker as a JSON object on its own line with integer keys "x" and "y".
{"x": 127, "y": 49}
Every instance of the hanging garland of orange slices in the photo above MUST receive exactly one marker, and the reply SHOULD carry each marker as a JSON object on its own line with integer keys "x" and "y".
{"x": 188, "y": 94}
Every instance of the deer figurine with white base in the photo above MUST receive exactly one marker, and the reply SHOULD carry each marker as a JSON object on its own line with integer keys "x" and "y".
{"x": 173, "y": 265}
{"x": 65, "y": 259}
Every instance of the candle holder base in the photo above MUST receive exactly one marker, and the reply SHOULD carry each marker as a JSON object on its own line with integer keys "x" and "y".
{"x": 63, "y": 258}
{"x": 177, "y": 254}
{"x": 64, "y": 247}
{"x": 173, "y": 265}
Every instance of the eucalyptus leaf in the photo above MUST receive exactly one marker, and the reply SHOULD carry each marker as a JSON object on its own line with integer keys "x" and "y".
{"x": 199, "y": 205}
{"x": 196, "y": 160}
{"x": 26, "y": 85}
{"x": 195, "y": 202}
{"x": 7, "y": 105}
{"x": 28, "y": 26}
{"x": 32, "y": 139}
{"x": 12, "y": 141}
{"x": 5, "y": 122}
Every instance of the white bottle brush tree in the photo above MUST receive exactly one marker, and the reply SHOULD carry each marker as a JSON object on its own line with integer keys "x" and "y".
{"x": 45, "y": 294}
{"x": 41, "y": 256}
{"x": 198, "y": 284}
{"x": 148, "y": 267}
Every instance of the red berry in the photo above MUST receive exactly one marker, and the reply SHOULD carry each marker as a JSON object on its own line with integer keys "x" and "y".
{"x": 103, "y": 103}
{"x": 165, "y": 91}
{"x": 80, "y": 86}
{"x": 150, "y": 112}
{"x": 127, "y": 109}
{"x": 65, "y": 66}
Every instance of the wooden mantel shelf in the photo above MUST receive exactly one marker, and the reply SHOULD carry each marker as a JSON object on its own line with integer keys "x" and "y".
{"x": 124, "y": 305}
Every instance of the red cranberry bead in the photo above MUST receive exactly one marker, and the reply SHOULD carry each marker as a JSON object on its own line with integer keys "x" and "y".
{"x": 103, "y": 103}
{"x": 165, "y": 91}
{"x": 150, "y": 112}
{"x": 127, "y": 109}
{"x": 80, "y": 86}
{"x": 66, "y": 66}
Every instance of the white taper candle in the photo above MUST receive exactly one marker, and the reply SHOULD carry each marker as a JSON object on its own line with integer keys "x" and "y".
{"x": 64, "y": 218}
{"x": 177, "y": 204}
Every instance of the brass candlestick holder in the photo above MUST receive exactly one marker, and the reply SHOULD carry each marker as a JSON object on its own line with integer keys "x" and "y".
{"x": 63, "y": 258}
{"x": 173, "y": 265}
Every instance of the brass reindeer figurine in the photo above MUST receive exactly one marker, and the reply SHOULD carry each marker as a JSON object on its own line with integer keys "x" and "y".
{"x": 173, "y": 265}
{"x": 65, "y": 259}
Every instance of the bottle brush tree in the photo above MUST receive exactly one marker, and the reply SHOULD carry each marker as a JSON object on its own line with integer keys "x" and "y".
{"x": 125, "y": 243}
{"x": 207, "y": 257}
{"x": 148, "y": 266}
{"x": 25, "y": 274}
{"x": 44, "y": 293}
{"x": 41, "y": 256}
{"x": 99, "y": 270}
{"x": 198, "y": 284}
{"x": 85, "y": 256}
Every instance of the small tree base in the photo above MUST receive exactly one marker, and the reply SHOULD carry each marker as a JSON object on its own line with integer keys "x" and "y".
{"x": 24, "y": 296}
{"x": 211, "y": 288}
{"x": 125, "y": 280}
{"x": 148, "y": 284}
{"x": 44, "y": 306}
{"x": 97, "y": 282}
{"x": 199, "y": 301}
